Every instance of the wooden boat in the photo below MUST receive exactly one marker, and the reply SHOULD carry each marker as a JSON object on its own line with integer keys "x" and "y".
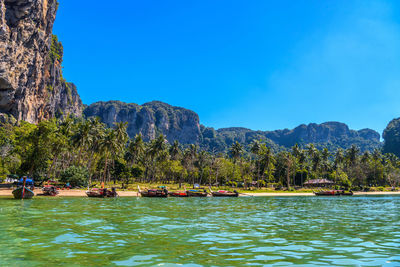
{"x": 223, "y": 193}
{"x": 178, "y": 194}
{"x": 200, "y": 192}
{"x": 161, "y": 192}
{"x": 102, "y": 193}
{"x": 333, "y": 193}
{"x": 23, "y": 193}
{"x": 197, "y": 193}
{"x": 50, "y": 190}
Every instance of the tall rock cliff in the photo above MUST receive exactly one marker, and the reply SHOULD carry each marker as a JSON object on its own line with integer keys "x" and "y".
{"x": 150, "y": 120}
{"x": 31, "y": 84}
{"x": 391, "y": 135}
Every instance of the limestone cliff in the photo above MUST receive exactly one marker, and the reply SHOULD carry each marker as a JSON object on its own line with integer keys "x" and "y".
{"x": 31, "y": 84}
{"x": 180, "y": 124}
{"x": 150, "y": 119}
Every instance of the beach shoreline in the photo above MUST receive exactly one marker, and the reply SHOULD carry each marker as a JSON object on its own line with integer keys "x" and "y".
{"x": 81, "y": 193}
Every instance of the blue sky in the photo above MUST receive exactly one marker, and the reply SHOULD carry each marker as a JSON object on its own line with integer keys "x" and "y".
{"x": 259, "y": 64}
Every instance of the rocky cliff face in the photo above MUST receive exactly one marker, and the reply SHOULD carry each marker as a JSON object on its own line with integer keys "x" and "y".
{"x": 31, "y": 84}
{"x": 150, "y": 120}
{"x": 391, "y": 134}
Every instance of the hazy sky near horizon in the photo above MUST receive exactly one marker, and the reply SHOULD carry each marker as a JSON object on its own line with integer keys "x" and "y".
{"x": 259, "y": 64}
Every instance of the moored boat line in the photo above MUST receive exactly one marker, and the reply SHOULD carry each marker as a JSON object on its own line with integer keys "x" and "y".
{"x": 333, "y": 193}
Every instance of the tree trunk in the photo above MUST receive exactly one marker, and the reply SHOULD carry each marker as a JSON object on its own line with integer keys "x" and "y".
{"x": 105, "y": 168}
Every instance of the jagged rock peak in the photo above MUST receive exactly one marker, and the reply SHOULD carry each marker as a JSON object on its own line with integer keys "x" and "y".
{"x": 32, "y": 87}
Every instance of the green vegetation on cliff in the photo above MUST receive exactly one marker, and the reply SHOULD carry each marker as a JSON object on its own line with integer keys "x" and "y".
{"x": 56, "y": 50}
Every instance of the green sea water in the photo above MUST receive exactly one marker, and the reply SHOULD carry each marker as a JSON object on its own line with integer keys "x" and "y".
{"x": 254, "y": 231}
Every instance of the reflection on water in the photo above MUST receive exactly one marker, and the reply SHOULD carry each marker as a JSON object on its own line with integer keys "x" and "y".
{"x": 258, "y": 231}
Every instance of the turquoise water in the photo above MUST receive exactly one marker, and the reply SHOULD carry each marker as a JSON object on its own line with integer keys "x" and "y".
{"x": 281, "y": 231}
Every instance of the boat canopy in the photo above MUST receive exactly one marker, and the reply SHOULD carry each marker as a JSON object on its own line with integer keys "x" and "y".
{"x": 27, "y": 182}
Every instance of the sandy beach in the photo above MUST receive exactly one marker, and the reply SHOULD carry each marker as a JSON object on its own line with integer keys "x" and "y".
{"x": 81, "y": 193}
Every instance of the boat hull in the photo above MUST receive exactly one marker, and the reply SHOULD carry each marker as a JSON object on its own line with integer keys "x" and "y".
{"x": 333, "y": 193}
{"x": 197, "y": 194}
{"x": 101, "y": 194}
{"x": 143, "y": 194}
{"x": 19, "y": 194}
{"x": 217, "y": 194}
{"x": 178, "y": 194}
{"x": 50, "y": 191}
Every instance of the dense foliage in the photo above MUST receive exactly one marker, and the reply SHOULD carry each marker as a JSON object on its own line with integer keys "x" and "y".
{"x": 75, "y": 176}
{"x": 80, "y": 151}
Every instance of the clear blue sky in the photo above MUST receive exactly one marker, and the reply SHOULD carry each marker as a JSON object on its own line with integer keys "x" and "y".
{"x": 259, "y": 64}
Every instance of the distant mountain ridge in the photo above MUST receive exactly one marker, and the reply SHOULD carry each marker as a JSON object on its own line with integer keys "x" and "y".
{"x": 183, "y": 125}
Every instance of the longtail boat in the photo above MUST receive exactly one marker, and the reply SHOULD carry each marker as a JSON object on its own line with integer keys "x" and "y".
{"x": 50, "y": 190}
{"x": 23, "y": 192}
{"x": 196, "y": 192}
{"x": 178, "y": 194}
{"x": 102, "y": 193}
{"x": 223, "y": 193}
{"x": 161, "y": 192}
{"x": 333, "y": 193}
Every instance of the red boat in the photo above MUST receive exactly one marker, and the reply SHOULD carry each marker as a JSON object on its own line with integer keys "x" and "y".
{"x": 178, "y": 194}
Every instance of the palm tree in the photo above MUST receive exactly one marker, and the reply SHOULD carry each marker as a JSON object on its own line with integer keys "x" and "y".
{"x": 135, "y": 150}
{"x": 81, "y": 138}
{"x": 325, "y": 160}
{"x": 203, "y": 160}
{"x": 175, "y": 150}
{"x": 236, "y": 151}
{"x": 352, "y": 155}
{"x": 302, "y": 159}
{"x": 107, "y": 147}
{"x": 154, "y": 149}
{"x": 97, "y": 131}
{"x": 267, "y": 161}
{"x": 339, "y": 158}
{"x": 113, "y": 144}
{"x": 256, "y": 149}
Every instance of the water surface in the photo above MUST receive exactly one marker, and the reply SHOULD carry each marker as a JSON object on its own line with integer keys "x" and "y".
{"x": 254, "y": 231}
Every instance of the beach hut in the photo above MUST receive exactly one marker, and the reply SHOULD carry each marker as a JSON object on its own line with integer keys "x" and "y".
{"x": 318, "y": 183}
